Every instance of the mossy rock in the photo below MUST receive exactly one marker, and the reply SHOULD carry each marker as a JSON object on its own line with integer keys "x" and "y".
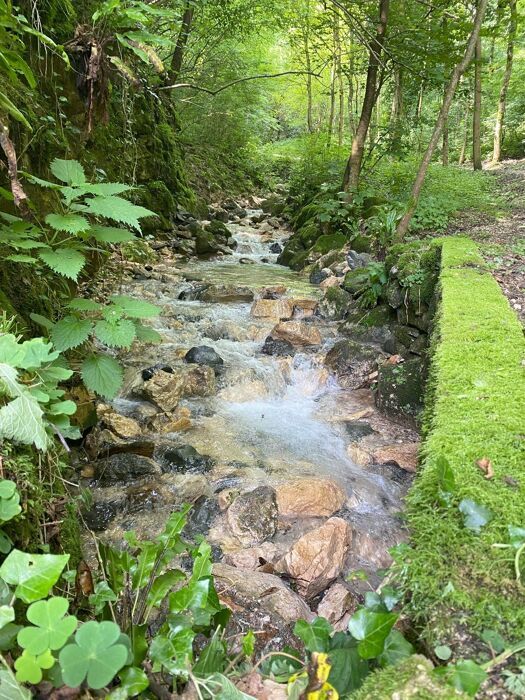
{"x": 400, "y": 389}
{"x": 361, "y": 244}
{"x": 299, "y": 260}
{"x": 378, "y": 316}
{"x": 355, "y": 281}
{"x": 335, "y": 304}
{"x": 415, "y": 268}
{"x": 218, "y": 228}
{"x": 293, "y": 247}
{"x": 138, "y": 251}
{"x": 309, "y": 234}
{"x": 156, "y": 197}
{"x": 305, "y": 215}
{"x": 326, "y": 243}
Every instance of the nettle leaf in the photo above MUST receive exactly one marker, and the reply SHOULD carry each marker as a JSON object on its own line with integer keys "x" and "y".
{"x": 136, "y": 308}
{"x": 147, "y": 335}
{"x": 21, "y": 258}
{"x": 103, "y": 375}
{"x": 67, "y": 262}
{"x": 84, "y": 305}
{"x": 22, "y": 421}
{"x": 315, "y": 635}
{"x": 29, "y": 667}
{"x": 118, "y": 209}
{"x": 71, "y": 223}
{"x": 51, "y": 628}
{"x": 96, "y": 655}
{"x": 371, "y": 629}
{"x": 111, "y": 234}
{"x": 68, "y": 171}
{"x": 104, "y": 189}
{"x": 34, "y": 575}
{"x": 467, "y": 676}
{"x": 475, "y": 515}
{"x": 42, "y": 321}
{"x": 70, "y": 332}
{"x": 119, "y": 334}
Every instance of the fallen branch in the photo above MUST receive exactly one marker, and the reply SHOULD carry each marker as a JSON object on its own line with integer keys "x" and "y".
{"x": 20, "y": 198}
{"x": 191, "y": 86}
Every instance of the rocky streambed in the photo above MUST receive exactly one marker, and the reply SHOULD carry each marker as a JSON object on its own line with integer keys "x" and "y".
{"x": 253, "y": 411}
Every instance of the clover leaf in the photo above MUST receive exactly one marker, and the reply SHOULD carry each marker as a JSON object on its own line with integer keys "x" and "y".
{"x": 95, "y": 655}
{"x": 29, "y": 667}
{"x": 52, "y": 629}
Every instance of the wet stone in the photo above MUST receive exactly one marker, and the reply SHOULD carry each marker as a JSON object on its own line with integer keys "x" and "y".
{"x": 101, "y": 513}
{"x": 252, "y": 517}
{"x": 148, "y": 373}
{"x": 278, "y": 347}
{"x": 356, "y": 430}
{"x": 183, "y": 459}
{"x": 123, "y": 468}
{"x": 204, "y": 355}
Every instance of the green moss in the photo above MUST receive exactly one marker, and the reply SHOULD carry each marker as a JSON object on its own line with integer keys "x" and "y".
{"x": 325, "y": 244}
{"x": 138, "y": 251}
{"x": 411, "y": 679}
{"x": 379, "y": 316}
{"x": 355, "y": 281}
{"x": 361, "y": 244}
{"x": 477, "y": 389}
{"x": 305, "y": 215}
{"x": 309, "y": 234}
{"x": 415, "y": 267}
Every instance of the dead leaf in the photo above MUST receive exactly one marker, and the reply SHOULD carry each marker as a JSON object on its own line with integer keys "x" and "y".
{"x": 394, "y": 360}
{"x": 486, "y": 467}
{"x": 84, "y": 580}
{"x": 373, "y": 375}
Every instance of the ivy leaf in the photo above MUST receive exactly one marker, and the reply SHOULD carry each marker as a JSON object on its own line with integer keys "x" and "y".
{"x": 102, "y": 595}
{"x": 133, "y": 681}
{"x": 70, "y": 332}
{"x": 68, "y": 171}
{"x": 103, "y": 375}
{"x": 315, "y": 635}
{"x": 136, "y": 308}
{"x": 29, "y": 668}
{"x": 147, "y": 335}
{"x": 118, "y": 209}
{"x": 70, "y": 223}
{"x": 34, "y": 575}
{"x": 51, "y": 630}
{"x": 7, "y": 615}
{"x": 119, "y": 335}
{"x": 475, "y": 515}
{"x": 396, "y": 649}
{"x": 67, "y": 262}
{"x": 111, "y": 234}
{"x": 371, "y": 629}
{"x": 95, "y": 655}
{"x": 22, "y": 421}
{"x": 173, "y": 653}
{"x": 467, "y": 676}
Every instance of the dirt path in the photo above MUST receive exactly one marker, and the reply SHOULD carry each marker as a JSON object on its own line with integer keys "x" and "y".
{"x": 502, "y": 237}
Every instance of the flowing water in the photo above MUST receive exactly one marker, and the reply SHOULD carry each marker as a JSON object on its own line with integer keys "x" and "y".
{"x": 272, "y": 419}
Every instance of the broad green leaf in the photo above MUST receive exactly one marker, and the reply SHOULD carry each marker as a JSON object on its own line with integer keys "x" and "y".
{"x": 42, "y": 321}
{"x": 7, "y": 615}
{"x": 104, "y": 188}
{"x": 6, "y": 544}
{"x": 396, "y": 649}
{"x": 162, "y": 585}
{"x": 475, "y": 515}
{"x": 7, "y": 106}
{"x": 37, "y": 352}
{"x": 9, "y": 501}
{"x": 67, "y": 408}
{"x": 68, "y": 171}
{"x": 102, "y": 374}
{"x": 101, "y": 596}
{"x": 315, "y": 635}
{"x": 118, "y": 335}
{"x": 133, "y": 681}
{"x": 202, "y": 565}
{"x": 118, "y": 209}
{"x": 9, "y": 385}
{"x": 213, "y": 658}
{"x": 95, "y": 655}
{"x": 136, "y": 308}
{"x": 517, "y": 536}
{"x": 467, "y": 676}
{"x": 67, "y": 262}
{"x": 10, "y": 689}
{"x": 22, "y": 421}
{"x": 371, "y": 629}
{"x": 51, "y": 628}
{"x": 22, "y": 258}
{"x": 175, "y": 653}
{"x": 494, "y": 640}
{"x": 70, "y": 223}
{"x": 70, "y": 332}
{"x": 80, "y": 304}
{"x": 11, "y": 352}
{"x": 111, "y": 234}
{"x": 348, "y": 669}
{"x": 34, "y": 575}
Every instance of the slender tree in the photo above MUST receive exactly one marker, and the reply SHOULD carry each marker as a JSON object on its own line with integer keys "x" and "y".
{"x": 502, "y": 103}
{"x": 476, "y": 112}
{"x": 353, "y": 166}
{"x": 458, "y": 71}
{"x": 182, "y": 40}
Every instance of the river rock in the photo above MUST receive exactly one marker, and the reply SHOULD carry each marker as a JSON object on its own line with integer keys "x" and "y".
{"x": 278, "y": 347}
{"x": 316, "y": 497}
{"x": 298, "y": 333}
{"x": 165, "y": 389}
{"x": 253, "y": 587}
{"x": 272, "y": 308}
{"x": 332, "y": 281}
{"x": 122, "y": 426}
{"x": 252, "y": 517}
{"x": 148, "y": 373}
{"x": 204, "y": 355}
{"x": 318, "y": 557}
{"x": 357, "y": 430}
{"x": 304, "y": 307}
{"x": 337, "y": 606}
{"x": 276, "y": 248}
{"x": 400, "y": 389}
{"x": 358, "y": 455}
{"x": 122, "y": 468}
{"x": 200, "y": 381}
{"x": 275, "y": 291}
{"x": 405, "y": 455}
{"x": 101, "y": 512}
{"x": 178, "y": 421}
{"x": 352, "y": 362}
{"x": 183, "y": 459}
{"x": 225, "y": 294}
{"x": 253, "y": 558}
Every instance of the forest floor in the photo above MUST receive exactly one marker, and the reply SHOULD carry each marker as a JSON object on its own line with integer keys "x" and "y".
{"x": 502, "y": 236}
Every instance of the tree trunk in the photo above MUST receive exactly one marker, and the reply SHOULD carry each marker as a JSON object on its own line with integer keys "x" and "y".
{"x": 445, "y": 149}
{"x": 458, "y": 71}
{"x": 340, "y": 85}
{"x": 464, "y": 145}
{"x": 476, "y": 113}
{"x": 333, "y": 78}
{"x": 308, "y": 61}
{"x": 353, "y": 167}
{"x": 20, "y": 198}
{"x": 182, "y": 40}
{"x": 397, "y": 108}
{"x": 502, "y": 104}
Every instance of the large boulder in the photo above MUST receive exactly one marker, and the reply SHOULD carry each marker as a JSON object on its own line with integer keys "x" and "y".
{"x": 252, "y": 517}
{"x": 204, "y": 355}
{"x": 272, "y": 308}
{"x": 335, "y": 303}
{"x": 165, "y": 389}
{"x": 199, "y": 380}
{"x": 315, "y": 497}
{"x": 278, "y": 347}
{"x": 318, "y": 557}
{"x": 405, "y": 455}
{"x": 298, "y": 333}
{"x": 352, "y": 362}
{"x": 248, "y": 588}
{"x": 224, "y": 294}
{"x": 122, "y": 468}
{"x": 121, "y": 425}
{"x": 400, "y": 389}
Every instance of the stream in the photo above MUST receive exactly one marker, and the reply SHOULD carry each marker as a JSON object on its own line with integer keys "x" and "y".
{"x": 263, "y": 445}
